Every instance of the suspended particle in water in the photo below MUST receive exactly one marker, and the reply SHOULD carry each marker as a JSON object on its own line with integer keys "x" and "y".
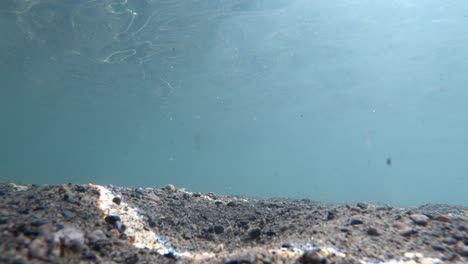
{"x": 389, "y": 162}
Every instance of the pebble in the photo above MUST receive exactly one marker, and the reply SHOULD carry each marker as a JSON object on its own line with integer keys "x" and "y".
{"x": 419, "y": 219}
{"x": 117, "y": 200}
{"x": 170, "y": 188}
{"x": 372, "y": 231}
{"x": 112, "y": 220}
{"x": 38, "y": 249}
{"x": 356, "y": 221}
{"x": 312, "y": 257}
{"x": 67, "y": 238}
{"x": 218, "y": 229}
{"x": 403, "y": 229}
{"x": 331, "y": 215}
{"x": 255, "y": 233}
{"x": 362, "y": 205}
{"x": 443, "y": 218}
{"x": 96, "y": 235}
{"x": 438, "y": 247}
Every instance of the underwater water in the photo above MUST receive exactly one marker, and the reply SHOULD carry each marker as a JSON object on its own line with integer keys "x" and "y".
{"x": 342, "y": 100}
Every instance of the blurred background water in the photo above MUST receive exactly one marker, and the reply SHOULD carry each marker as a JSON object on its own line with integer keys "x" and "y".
{"x": 342, "y": 100}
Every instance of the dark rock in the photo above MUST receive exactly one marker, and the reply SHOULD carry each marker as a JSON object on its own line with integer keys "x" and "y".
{"x": 67, "y": 197}
{"x": 94, "y": 192}
{"x": 80, "y": 188}
{"x": 345, "y": 230}
{"x": 243, "y": 223}
{"x": 238, "y": 262}
{"x": 208, "y": 229}
{"x": 132, "y": 259}
{"x": 438, "y": 247}
{"x": 286, "y": 245}
{"x": 103, "y": 246}
{"x": 112, "y": 219}
{"x": 232, "y": 204}
{"x": 255, "y": 233}
{"x": 117, "y": 200}
{"x": 356, "y": 221}
{"x": 140, "y": 191}
{"x": 218, "y": 229}
{"x": 19, "y": 261}
{"x": 91, "y": 256}
{"x": 331, "y": 215}
{"x": 312, "y": 257}
{"x": 450, "y": 241}
{"x": 362, "y": 205}
{"x": 372, "y": 231}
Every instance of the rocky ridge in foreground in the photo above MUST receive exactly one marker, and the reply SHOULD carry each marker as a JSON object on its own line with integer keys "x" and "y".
{"x": 96, "y": 224}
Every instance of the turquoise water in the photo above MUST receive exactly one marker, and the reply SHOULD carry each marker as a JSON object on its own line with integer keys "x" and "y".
{"x": 331, "y": 100}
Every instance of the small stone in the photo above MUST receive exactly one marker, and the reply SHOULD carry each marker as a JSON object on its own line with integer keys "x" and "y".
{"x": 219, "y": 248}
{"x": 356, "y": 221}
{"x": 67, "y": 197}
{"x": 218, "y": 229}
{"x": 96, "y": 235}
{"x": 403, "y": 229}
{"x": 112, "y": 219}
{"x": 255, "y": 233}
{"x": 443, "y": 218}
{"x": 420, "y": 219}
{"x": 232, "y": 204}
{"x": 362, "y": 205}
{"x": 170, "y": 188}
{"x": 312, "y": 257}
{"x": 450, "y": 241}
{"x": 132, "y": 259}
{"x": 345, "y": 230}
{"x": 80, "y": 188}
{"x": 102, "y": 245}
{"x": 372, "y": 231}
{"x": 438, "y": 247}
{"x": 38, "y": 249}
{"x": 286, "y": 245}
{"x": 331, "y": 215}
{"x": 117, "y": 200}
{"x": 462, "y": 249}
{"x": 69, "y": 237}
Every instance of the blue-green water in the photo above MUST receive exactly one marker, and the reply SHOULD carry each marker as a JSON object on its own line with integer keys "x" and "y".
{"x": 258, "y": 97}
